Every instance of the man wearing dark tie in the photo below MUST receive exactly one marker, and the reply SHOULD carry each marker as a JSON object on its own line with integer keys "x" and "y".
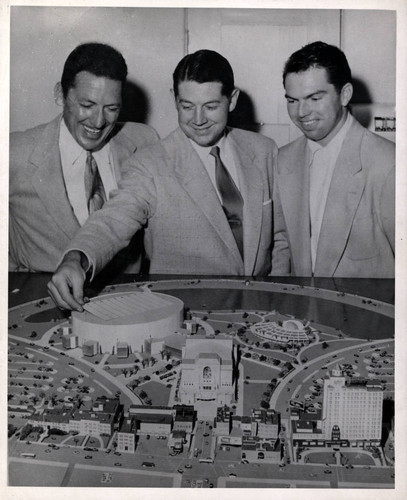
{"x": 62, "y": 171}
{"x": 203, "y": 194}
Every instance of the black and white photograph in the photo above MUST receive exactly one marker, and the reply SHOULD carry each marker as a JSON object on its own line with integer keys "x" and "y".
{"x": 203, "y": 215}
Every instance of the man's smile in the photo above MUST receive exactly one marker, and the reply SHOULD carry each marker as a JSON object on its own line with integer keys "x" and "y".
{"x": 95, "y": 132}
{"x": 308, "y": 123}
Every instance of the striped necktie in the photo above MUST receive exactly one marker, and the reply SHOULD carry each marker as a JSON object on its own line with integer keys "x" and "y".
{"x": 95, "y": 193}
{"x": 232, "y": 200}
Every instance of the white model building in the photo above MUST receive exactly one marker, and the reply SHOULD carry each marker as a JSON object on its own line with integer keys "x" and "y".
{"x": 90, "y": 348}
{"x": 207, "y": 371}
{"x": 352, "y": 409}
{"x": 291, "y": 330}
{"x": 69, "y": 341}
{"x": 126, "y": 436}
{"x": 129, "y": 318}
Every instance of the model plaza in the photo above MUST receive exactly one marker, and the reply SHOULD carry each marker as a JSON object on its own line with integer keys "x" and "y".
{"x": 249, "y": 387}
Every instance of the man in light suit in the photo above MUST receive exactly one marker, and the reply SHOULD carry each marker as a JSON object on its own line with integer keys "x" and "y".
{"x": 335, "y": 185}
{"x": 192, "y": 224}
{"x": 48, "y": 203}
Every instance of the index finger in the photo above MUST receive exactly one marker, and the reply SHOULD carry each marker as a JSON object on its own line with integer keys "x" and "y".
{"x": 63, "y": 297}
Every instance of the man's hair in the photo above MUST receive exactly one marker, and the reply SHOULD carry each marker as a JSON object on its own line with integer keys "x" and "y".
{"x": 205, "y": 66}
{"x": 320, "y": 55}
{"x": 96, "y": 58}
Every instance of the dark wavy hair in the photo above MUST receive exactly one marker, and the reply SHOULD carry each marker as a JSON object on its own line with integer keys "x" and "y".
{"x": 320, "y": 55}
{"x": 96, "y": 58}
{"x": 205, "y": 66}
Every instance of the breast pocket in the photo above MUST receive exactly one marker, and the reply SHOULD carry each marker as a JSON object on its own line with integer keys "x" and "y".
{"x": 362, "y": 243}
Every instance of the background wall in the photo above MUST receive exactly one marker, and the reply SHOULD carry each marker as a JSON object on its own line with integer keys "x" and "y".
{"x": 151, "y": 40}
{"x": 256, "y": 41}
{"x": 368, "y": 39}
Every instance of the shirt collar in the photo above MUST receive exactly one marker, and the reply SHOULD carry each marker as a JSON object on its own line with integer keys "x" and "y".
{"x": 70, "y": 149}
{"x": 204, "y": 151}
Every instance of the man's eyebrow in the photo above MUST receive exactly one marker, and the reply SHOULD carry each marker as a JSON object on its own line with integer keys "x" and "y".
{"x": 214, "y": 101}
{"x": 307, "y": 96}
{"x": 316, "y": 93}
{"x": 86, "y": 99}
{"x": 90, "y": 101}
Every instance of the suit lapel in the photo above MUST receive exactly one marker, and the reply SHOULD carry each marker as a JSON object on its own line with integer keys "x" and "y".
{"x": 251, "y": 186}
{"x": 46, "y": 158}
{"x": 345, "y": 192}
{"x": 121, "y": 147}
{"x": 293, "y": 185}
{"x": 194, "y": 178}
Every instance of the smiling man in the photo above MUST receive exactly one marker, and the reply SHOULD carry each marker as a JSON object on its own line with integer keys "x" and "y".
{"x": 203, "y": 194}
{"x": 63, "y": 170}
{"x": 336, "y": 183}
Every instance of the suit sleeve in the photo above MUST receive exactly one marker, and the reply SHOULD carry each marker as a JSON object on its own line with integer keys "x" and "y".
{"x": 15, "y": 240}
{"x": 12, "y": 250}
{"x": 280, "y": 257}
{"x": 387, "y": 208}
{"x": 110, "y": 229}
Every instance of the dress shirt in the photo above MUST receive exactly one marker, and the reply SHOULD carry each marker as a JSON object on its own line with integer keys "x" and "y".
{"x": 226, "y": 155}
{"x": 73, "y": 160}
{"x": 321, "y": 168}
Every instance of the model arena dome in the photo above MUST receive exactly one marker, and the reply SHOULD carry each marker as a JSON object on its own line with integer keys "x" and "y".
{"x": 291, "y": 330}
{"x": 131, "y": 317}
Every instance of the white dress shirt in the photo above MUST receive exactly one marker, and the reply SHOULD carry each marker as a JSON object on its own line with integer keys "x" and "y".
{"x": 321, "y": 169}
{"x": 73, "y": 160}
{"x": 226, "y": 155}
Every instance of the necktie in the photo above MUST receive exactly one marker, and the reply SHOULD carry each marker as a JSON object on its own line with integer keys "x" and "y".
{"x": 232, "y": 200}
{"x": 95, "y": 193}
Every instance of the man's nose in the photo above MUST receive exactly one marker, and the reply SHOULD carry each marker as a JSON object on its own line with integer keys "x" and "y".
{"x": 303, "y": 108}
{"x": 199, "y": 116}
{"x": 98, "y": 118}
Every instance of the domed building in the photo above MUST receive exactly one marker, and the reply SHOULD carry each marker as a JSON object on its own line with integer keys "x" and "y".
{"x": 291, "y": 330}
{"x": 130, "y": 317}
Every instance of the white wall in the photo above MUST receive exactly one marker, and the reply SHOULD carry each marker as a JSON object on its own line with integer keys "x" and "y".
{"x": 151, "y": 40}
{"x": 369, "y": 42}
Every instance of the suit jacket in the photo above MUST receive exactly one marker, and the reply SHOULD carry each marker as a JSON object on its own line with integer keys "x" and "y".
{"x": 41, "y": 219}
{"x": 357, "y": 233}
{"x": 167, "y": 190}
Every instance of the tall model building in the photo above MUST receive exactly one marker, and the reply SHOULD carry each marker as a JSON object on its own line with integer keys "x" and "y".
{"x": 352, "y": 409}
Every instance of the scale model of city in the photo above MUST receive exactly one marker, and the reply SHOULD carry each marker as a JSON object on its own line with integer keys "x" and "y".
{"x": 141, "y": 390}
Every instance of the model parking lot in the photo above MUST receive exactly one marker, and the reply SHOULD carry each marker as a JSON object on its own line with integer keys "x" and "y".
{"x": 270, "y": 374}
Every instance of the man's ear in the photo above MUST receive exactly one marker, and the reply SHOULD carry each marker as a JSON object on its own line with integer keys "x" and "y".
{"x": 58, "y": 94}
{"x": 346, "y": 94}
{"x": 233, "y": 99}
